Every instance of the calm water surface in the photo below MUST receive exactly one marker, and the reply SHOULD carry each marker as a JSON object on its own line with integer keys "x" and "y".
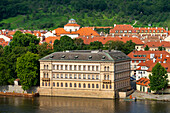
{"x": 78, "y": 105}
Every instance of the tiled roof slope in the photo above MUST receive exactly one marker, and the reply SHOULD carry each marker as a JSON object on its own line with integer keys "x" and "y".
{"x": 87, "y": 40}
{"x": 158, "y": 44}
{"x": 88, "y": 55}
{"x": 143, "y": 81}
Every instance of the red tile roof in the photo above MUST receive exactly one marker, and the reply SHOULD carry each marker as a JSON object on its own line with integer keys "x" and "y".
{"x": 86, "y": 31}
{"x": 151, "y": 29}
{"x": 143, "y": 81}
{"x": 72, "y": 24}
{"x": 87, "y": 40}
{"x": 51, "y": 39}
{"x": 158, "y": 44}
{"x": 122, "y": 27}
{"x": 139, "y": 54}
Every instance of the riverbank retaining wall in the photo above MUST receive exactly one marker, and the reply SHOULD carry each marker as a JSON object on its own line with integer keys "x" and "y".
{"x": 17, "y": 89}
{"x": 76, "y": 93}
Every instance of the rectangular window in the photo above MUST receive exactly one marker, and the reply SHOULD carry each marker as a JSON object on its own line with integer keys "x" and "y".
{"x": 53, "y": 75}
{"x": 70, "y": 67}
{"x": 121, "y": 31}
{"x": 88, "y": 76}
{"x": 92, "y": 76}
{"x": 75, "y": 85}
{"x": 92, "y": 68}
{"x": 88, "y": 68}
{"x": 61, "y": 67}
{"x": 54, "y": 67}
{"x": 53, "y": 83}
{"x": 49, "y": 84}
{"x": 97, "y": 77}
{"x": 150, "y": 31}
{"x": 142, "y": 31}
{"x": 110, "y": 86}
{"x": 66, "y": 67}
{"x": 61, "y": 75}
{"x": 75, "y": 76}
{"x": 44, "y": 66}
{"x": 57, "y": 75}
{"x": 42, "y": 83}
{"x": 66, "y": 76}
{"x": 57, "y": 67}
{"x": 75, "y": 67}
{"x": 70, "y": 76}
{"x": 162, "y": 31}
{"x": 79, "y": 76}
{"x": 84, "y": 68}
{"x": 129, "y": 31}
{"x": 106, "y": 86}
{"x": 57, "y": 84}
{"x": 84, "y": 76}
{"x": 79, "y": 68}
{"x": 153, "y": 31}
{"x": 125, "y": 31}
{"x": 146, "y": 31}
{"x": 97, "y": 68}
{"x": 116, "y": 31}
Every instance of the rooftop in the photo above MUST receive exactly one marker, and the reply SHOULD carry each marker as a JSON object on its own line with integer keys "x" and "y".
{"x": 88, "y": 55}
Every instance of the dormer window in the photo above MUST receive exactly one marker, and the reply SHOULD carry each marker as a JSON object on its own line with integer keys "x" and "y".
{"x": 121, "y": 31}
{"x": 63, "y": 56}
{"x": 162, "y": 31}
{"x": 116, "y": 31}
{"x": 153, "y": 31}
{"x": 103, "y": 57}
{"x": 90, "y": 57}
{"x": 146, "y": 31}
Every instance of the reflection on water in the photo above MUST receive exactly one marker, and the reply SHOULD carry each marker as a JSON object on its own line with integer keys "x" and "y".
{"x": 79, "y": 105}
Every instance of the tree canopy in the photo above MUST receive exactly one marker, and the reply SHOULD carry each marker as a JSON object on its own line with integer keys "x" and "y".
{"x": 158, "y": 79}
{"x": 146, "y": 48}
{"x": 27, "y": 68}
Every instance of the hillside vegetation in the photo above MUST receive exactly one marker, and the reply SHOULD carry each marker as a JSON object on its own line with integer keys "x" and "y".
{"x": 50, "y": 14}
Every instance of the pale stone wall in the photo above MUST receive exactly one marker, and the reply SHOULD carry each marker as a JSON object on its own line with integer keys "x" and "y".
{"x": 76, "y": 93}
{"x": 17, "y": 89}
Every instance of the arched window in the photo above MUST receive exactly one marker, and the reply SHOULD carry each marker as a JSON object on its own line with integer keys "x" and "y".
{"x": 104, "y": 77}
{"x": 97, "y": 86}
{"x": 75, "y": 85}
{"x": 46, "y": 84}
{"x": 108, "y": 68}
{"x": 84, "y": 85}
{"x": 92, "y": 85}
{"x": 49, "y": 84}
{"x": 79, "y": 85}
{"x": 88, "y": 85}
{"x": 70, "y": 84}
{"x": 44, "y": 66}
{"x": 107, "y": 77}
{"x": 61, "y": 84}
{"x": 42, "y": 83}
{"x": 105, "y": 68}
{"x": 65, "y": 84}
{"x": 106, "y": 86}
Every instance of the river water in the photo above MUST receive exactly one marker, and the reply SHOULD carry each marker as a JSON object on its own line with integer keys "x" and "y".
{"x": 79, "y": 105}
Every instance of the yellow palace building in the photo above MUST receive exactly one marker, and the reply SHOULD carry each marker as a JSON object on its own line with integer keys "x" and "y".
{"x": 84, "y": 73}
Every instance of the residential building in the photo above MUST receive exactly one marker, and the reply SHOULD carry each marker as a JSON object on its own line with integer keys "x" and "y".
{"x": 140, "y": 57}
{"x": 85, "y": 73}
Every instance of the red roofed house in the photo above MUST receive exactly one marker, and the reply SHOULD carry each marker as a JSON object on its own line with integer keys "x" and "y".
{"x": 123, "y": 30}
{"x": 73, "y": 30}
{"x": 143, "y": 85}
{"x": 140, "y": 57}
{"x": 154, "y": 45}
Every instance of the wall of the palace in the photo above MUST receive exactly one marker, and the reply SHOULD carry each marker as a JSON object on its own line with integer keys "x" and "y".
{"x": 72, "y": 28}
{"x": 77, "y": 93}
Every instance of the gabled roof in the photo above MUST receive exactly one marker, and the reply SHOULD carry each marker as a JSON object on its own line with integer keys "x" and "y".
{"x": 51, "y": 39}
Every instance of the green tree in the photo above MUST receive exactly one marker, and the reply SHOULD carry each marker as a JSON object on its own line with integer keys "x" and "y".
{"x": 158, "y": 79}
{"x": 129, "y": 47}
{"x": 95, "y": 45}
{"x": 116, "y": 45}
{"x": 146, "y": 48}
{"x": 79, "y": 43}
{"x": 4, "y": 71}
{"x": 161, "y": 48}
{"x": 44, "y": 49}
{"x": 28, "y": 70}
{"x": 65, "y": 43}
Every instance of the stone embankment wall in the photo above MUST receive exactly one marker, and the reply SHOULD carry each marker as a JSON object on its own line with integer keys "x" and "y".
{"x": 17, "y": 89}
{"x": 76, "y": 93}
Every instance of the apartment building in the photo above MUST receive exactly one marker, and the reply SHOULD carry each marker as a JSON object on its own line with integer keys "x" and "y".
{"x": 85, "y": 73}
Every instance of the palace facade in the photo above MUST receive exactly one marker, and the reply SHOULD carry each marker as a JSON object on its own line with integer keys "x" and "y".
{"x": 85, "y": 73}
